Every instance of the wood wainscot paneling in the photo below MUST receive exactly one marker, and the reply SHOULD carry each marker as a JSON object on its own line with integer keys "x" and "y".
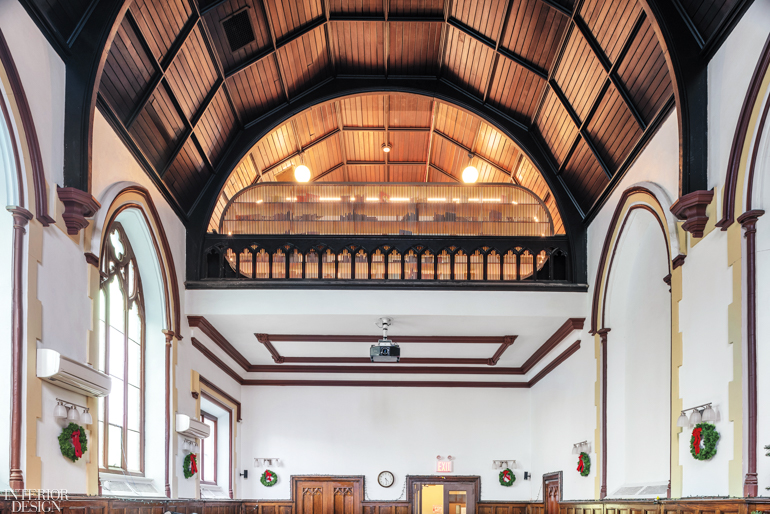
{"x": 268, "y": 507}
{"x": 502, "y": 508}
{"x": 395, "y": 507}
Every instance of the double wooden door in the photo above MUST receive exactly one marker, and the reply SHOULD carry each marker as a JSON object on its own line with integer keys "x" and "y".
{"x": 327, "y": 495}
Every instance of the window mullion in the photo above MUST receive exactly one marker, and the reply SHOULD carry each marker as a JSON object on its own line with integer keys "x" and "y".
{"x": 124, "y": 452}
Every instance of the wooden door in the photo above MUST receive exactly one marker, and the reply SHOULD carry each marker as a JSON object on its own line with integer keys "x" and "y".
{"x": 327, "y": 495}
{"x": 552, "y": 492}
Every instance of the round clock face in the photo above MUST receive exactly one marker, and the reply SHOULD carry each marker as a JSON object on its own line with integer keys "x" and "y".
{"x": 385, "y": 479}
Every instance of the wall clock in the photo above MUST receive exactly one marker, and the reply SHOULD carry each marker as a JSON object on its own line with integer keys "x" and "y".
{"x": 385, "y": 479}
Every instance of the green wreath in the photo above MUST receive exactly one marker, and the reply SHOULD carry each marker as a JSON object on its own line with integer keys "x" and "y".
{"x": 507, "y": 478}
{"x": 584, "y": 464}
{"x": 269, "y": 478}
{"x": 68, "y": 447}
{"x": 190, "y": 466}
{"x": 706, "y": 434}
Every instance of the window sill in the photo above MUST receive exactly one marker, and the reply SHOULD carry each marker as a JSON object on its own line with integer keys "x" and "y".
{"x": 115, "y": 484}
{"x": 210, "y": 491}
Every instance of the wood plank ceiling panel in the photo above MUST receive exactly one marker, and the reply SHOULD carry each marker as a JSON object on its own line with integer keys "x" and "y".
{"x": 483, "y": 16}
{"x": 157, "y": 129}
{"x": 555, "y": 127}
{"x": 216, "y": 127}
{"x": 436, "y": 176}
{"x": 160, "y": 21}
{"x": 449, "y": 157}
{"x": 515, "y": 90}
{"x": 467, "y": 62}
{"x": 323, "y": 156}
{"x": 275, "y": 147}
{"x": 580, "y": 74}
{"x": 192, "y": 74}
{"x": 243, "y": 176}
{"x": 584, "y": 176}
{"x": 337, "y": 175}
{"x": 356, "y": 7}
{"x": 409, "y": 111}
{"x": 529, "y": 176}
{"x": 262, "y": 41}
{"x": 127, "y": 72}
{"x": 367, "y": 174}
{"x": 416, "y": 7}
{"x": 315, "y": 123}
{"x": 257, "y": 89}
{"x": 291, "y": 16}
{"x": 644, "y": 73}
{"x": 457, "y": 124}
{"x": 304, "y": 61}
{"x": 408, "y": 147}
{"x": 610, "y": 21}
{"x": 407, "y": 173}
{"x": 496, "y": 147}
{"x": 363, "y": 145}
{"x": 358, "y": 47}
{"x": 187, "y": 175}
{"x": 363, "y": 111}
{"x": 707, "y": 15}
{"x": 614, "y": 129}
{"x": 534, "y": 31}
{"x": 414, "y": 48}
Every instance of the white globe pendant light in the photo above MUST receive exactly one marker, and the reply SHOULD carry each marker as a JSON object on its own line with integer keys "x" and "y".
{"x": 302, "y": 173}
{"x": 470, "y": 173}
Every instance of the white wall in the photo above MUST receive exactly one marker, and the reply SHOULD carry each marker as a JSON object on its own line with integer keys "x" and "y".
{"x": 638, "y": 357}
{"x": 363, "y": 431}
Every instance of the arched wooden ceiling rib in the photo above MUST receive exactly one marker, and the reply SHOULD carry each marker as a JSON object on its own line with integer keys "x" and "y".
{"x": 342, "y": 141}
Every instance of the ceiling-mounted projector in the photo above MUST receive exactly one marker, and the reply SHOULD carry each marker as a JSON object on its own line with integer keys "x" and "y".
{"x": 385, "y": 350}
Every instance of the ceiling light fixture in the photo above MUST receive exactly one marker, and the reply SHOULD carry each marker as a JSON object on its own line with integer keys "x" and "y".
{"x": 302, "y": 172}
{"x": 386, "y": 147}
{"x": 470, "y": 173}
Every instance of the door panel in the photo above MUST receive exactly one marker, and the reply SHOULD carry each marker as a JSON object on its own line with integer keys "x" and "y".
{"x": 332, "y": 495}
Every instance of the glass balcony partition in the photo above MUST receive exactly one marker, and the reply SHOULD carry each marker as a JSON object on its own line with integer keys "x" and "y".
{"x": 390, "y": 209}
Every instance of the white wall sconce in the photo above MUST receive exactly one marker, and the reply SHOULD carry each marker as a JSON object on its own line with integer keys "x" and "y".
{"x": 191, "y": 445}
{"x": 265, "y": 461}
{"x": 699, "y": 413}
{"x": 583, "y": 446}
{"x": 68, "y": 411}
{"x": 503, "y": 464}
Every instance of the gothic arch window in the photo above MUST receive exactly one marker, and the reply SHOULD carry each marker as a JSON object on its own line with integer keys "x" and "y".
{"x": 121, "y": 355}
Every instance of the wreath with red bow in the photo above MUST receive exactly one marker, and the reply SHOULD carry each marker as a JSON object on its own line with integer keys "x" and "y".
{"x": 73, "y": 442}
{"x": 190, "y": 465}
{"x": 584, "y": 464}
{"x": 507, "y": 478}
{"x": 269, "y": 478}
{"x": 703, "y": 443}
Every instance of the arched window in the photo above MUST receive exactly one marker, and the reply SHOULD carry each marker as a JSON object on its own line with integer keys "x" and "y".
{"x": 121, "y": 355}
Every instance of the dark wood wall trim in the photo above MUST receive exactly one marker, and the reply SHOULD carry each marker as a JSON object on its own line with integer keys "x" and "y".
{"x": 560, "y": 335}
{"x": 606, "y": 260}
{"x": 21, "y": 217}
{"x": 78, "y": 205}
{"x": 211, "y": 385}
{"x": 739, "y": 139}
{"x": 207, "y": 328}
{"x": 230, "y": 439}
{"x": 36, "y": 158}
{"x": 555, "y": 363}
{"x": 603, "y": 337}
{"x": 325, "y": 338}
{"x": 216, "y": 360}
{"x": 748, "y": 221}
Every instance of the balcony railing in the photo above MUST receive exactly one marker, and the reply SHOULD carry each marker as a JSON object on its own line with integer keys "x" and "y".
{"x": 363, "y": 235}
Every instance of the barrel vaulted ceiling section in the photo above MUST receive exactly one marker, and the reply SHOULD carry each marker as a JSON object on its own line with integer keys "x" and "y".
{"x": 587, "y": 79}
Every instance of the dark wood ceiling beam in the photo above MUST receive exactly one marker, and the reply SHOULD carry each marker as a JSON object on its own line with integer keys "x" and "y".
{"x": 369, "y": 338}
{"x": 406, "y": 366}
{"x": 202, "y": 324}
{"x": 433, "y": 103}
{"x": 383, "y": 129}
{"x": 366, "y": 360}
{"x": 386, "y": 119}
{"x": 338, "y": 17}
{"x": 555, "y": 5}
{"x": 333, "y": 168}
{"x": 493, "y": 70}
{"x": 521, "y": 61}
{"x": 469, "y": 150}
{"x": 179, "y": 42}
{"x": 343, "y": 145}
{"x": 383, "y": 163}
{"x": 446, "y": 173}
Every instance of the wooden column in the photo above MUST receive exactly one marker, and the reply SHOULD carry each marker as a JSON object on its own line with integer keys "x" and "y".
{"x": 603, "y": 337}
{"x": 21, "y": 217}
{"x": 748, "y": 221}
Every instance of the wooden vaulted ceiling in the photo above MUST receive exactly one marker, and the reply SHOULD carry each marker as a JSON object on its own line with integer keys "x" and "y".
{"x": 587, "y": 78}
{"x": 341, "y": 141}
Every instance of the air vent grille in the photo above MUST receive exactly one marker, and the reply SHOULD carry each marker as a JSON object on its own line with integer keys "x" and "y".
{"x": 238, "y": 30}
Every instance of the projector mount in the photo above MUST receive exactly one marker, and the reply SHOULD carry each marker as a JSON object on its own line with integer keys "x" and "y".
{"x": 385, "y": 350}
{"x": 384, "y": 324}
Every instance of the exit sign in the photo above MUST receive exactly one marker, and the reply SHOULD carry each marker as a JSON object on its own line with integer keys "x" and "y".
{"x": 443, "y": 466}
